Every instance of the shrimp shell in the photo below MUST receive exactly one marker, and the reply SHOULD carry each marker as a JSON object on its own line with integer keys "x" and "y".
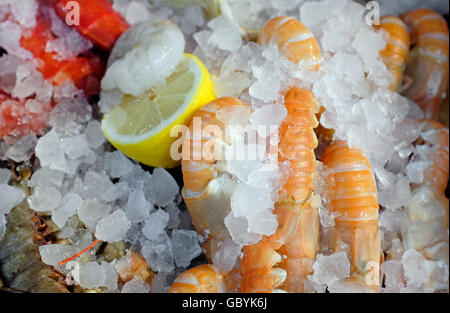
{"x": 395, "y": 55}
{"x": 204, "y": 278}
{"x": 207, "y": 186}
{"x": 437, "y": 135}
{"x": 294, "y": 39}
{"x": 297, "y": 236}
{"x": 428, "y": 61}
{"x": 354, "y": 198}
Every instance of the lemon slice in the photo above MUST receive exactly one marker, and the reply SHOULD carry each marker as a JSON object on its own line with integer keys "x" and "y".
{"x": 140, "y": 126}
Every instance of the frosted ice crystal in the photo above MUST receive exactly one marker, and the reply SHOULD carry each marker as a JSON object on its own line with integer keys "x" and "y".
{"x": 91, "y": 211}
{"x": 159, "y": 255}
{"x": 161, "y": 187}
{"x": 136, "y": 285}
{"x": 155, "y": 224}
{"x": 52, "y": 254}
{"x": 70, "y": 205}
{"x": 44, "y": 199}
{"x": 23, "y": 149}
{"x": 11, "y": 196}
{"x": 113, "y": 227}
{"x": 185, "y": 246}
{"x": 117, "y": 164}
{"x": 329, "y": 269}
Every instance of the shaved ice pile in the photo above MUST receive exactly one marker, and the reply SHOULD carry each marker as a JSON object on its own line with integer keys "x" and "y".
{"x": 80, "y": 179}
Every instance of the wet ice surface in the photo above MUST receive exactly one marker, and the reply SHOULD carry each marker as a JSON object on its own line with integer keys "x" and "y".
{"x": 81, "y": 178}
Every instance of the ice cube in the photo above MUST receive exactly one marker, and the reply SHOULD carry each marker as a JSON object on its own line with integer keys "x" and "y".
{"x": 185, "y": 246}
{"x": 45, "y": 199}
{"x": 23, "y": 149}
{"x": 136, "y": 285}
{"x": 393, "y": 275}
{"x": 94, "y": 134}
{"x": 70, "y": 205}
{"x": 119, "y": 190}
{"x": 174, "y": 216}
{"x": 137, "y": 208}
{"x": 50, "y": 153}
{"x": 136, "y": 12}
{"x": 117, "y": 164}
{"x": 161, "y": 187}
{"x": 45, "y": 176}
{"x": 11, "y": 196}
{"x": 52, "y": 254}
{"x": 226, "y": 33}
{"x": 331, "y": 268}
{"x": 113, "y": 227}
{"x": 75, "y": 147}
{"x": 268, "y": 115}
{"x": 95, "y": 184}
{"x": 238, "y": 228}
{"x": 416, "y": 268}
{"x": 91, "y": 211}
{"x": 226, "y": 256}
{"x": 155, "y": 224}
{"x": 94, "y": 275}
{"x": 159, "y": 255}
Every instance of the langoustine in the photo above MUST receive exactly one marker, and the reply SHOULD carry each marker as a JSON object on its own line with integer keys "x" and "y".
{"x": 354, "y": 199}
{"x": 428, "y": 209}
{"x": 207, "y": 186}
{"x": 297, "y": 235}
{"x": 395, "y": 55}
{"x": 428, "y": 61}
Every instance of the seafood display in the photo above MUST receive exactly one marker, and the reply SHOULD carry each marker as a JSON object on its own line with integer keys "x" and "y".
{"x": 223, "y": 146}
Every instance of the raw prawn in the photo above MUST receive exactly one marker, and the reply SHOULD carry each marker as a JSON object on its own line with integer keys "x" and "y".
{"x": 297, "y": 236}
{"x": 207, "y": 186}
{"x": 354, "y": 198}
{"x": 294, "y": 40}
{"x": 144, "y": 56}
{"x": 20, "y": 260}
{"x": 296, "y": 43}
{"x": 395, "y": 55}
{"x": 98, "y": 21}
{"x": 428, "y": 209}
{"x": 204, "y": 278}
{"x": 428, "y": 60}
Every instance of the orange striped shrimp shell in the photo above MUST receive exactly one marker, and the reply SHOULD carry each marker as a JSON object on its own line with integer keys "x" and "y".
{"x": 354, "y": 198}
{"x": 134, "y": 265}
{"x": 428, "y": 62}
{"x": 207, "y": 190}
{"x": 395, "y": 55}
{"x": 293, "y": 39}
{"x": 297, "y": 235}
{"x": 436, "y": 175}
{"x": 204, "y": 278}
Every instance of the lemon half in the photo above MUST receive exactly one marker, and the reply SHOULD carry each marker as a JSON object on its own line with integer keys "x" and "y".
{"x": 140, "y": 126}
